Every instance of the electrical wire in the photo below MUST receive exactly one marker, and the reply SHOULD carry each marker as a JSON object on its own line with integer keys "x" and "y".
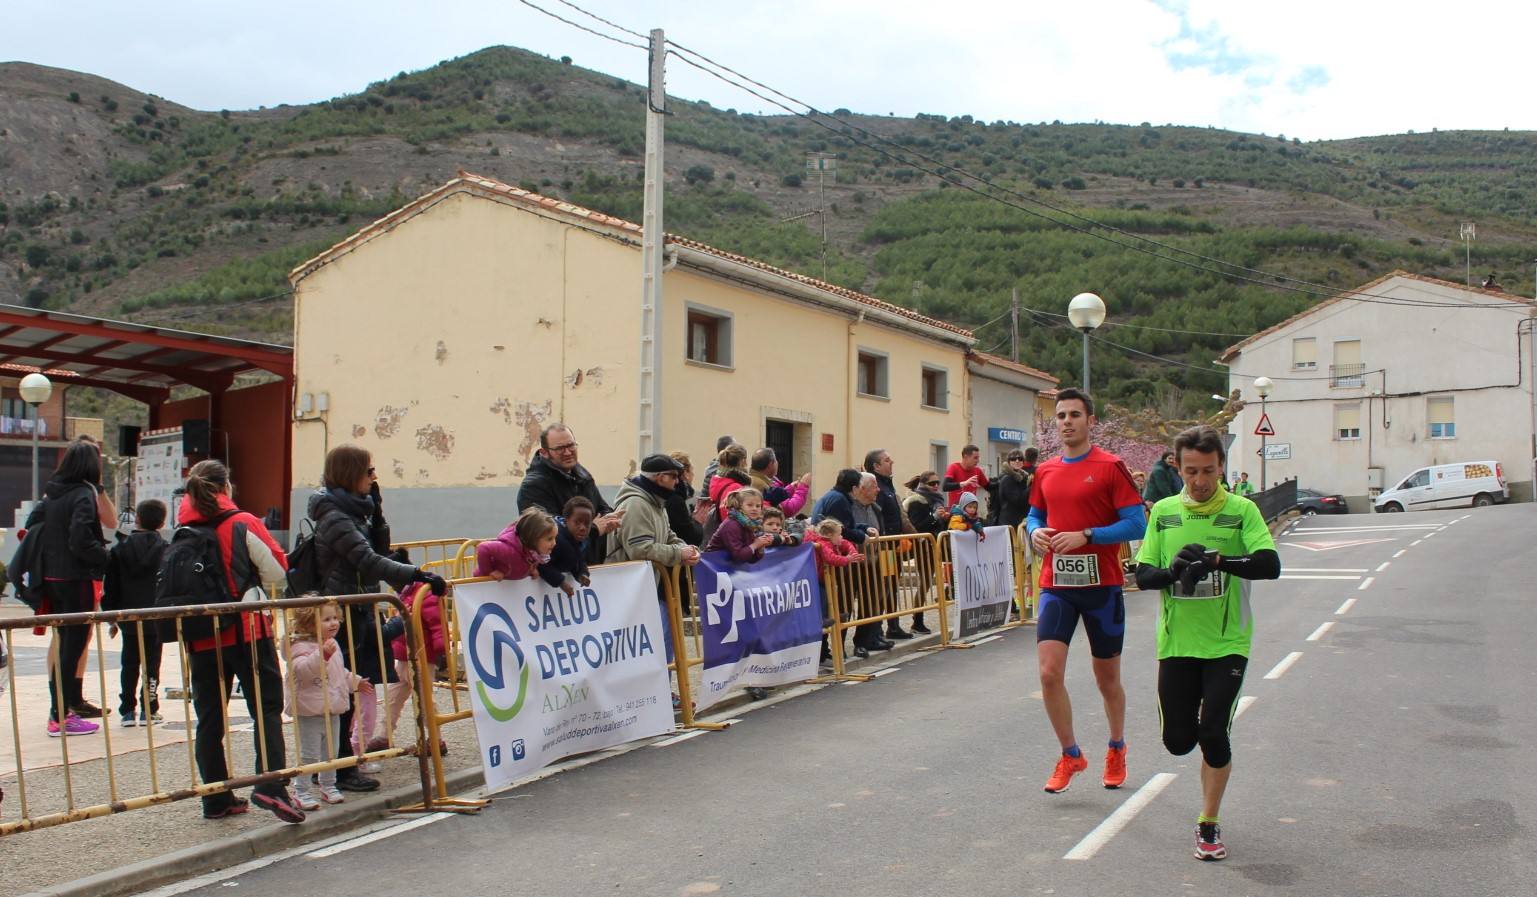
{"x": 1314, "y": 289}
{"x": 593, "y": 15}
{"x": 581, "y": 27}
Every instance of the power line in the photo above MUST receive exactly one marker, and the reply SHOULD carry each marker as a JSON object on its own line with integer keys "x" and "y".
{"x": 581, "y": 27}
{"x": 593, "y": 15}
{"x": 1321, "y": 291}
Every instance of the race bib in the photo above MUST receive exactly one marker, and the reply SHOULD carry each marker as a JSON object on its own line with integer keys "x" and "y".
{"x": 1212, "y": 585}
{"x": 1075, "y": 570}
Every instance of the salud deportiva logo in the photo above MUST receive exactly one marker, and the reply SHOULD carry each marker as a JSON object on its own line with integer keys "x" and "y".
{"x": 496, "y": 677}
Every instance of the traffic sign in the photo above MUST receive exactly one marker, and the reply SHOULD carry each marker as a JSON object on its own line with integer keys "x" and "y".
{"x": 1265, "y": 428}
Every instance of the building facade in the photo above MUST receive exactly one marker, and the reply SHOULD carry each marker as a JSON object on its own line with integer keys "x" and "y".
{"x": 445, "y": 336}
{"x": 1003, "y": 396}
{"x": 1401, "y": 373}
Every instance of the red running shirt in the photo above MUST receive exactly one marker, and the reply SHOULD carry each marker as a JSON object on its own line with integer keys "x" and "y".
{"x": 957, "y": 472}
{"x": 1086, "y": 493}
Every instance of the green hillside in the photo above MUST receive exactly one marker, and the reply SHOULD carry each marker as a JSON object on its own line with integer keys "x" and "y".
{"x": 193, "y": 218}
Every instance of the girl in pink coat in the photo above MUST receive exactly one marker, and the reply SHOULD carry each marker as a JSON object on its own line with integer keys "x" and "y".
{"x": 520, "y": 549}
{"x": 320, "y": 691}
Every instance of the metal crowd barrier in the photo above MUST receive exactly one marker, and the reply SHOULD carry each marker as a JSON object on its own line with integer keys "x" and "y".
{"x": 160, "y": 792}
{"x": 444, "y": 557}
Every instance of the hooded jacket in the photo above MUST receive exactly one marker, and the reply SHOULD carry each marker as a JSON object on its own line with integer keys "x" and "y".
{"x": 644, "y": 535}
{"x": 432, "y": 624}
{"x": 506, "y": 555}
{"x": 723, "y": 484}
{"x": 926, "y": 511}
{"x": 348, "y": 561}
{"x": 1162, "y": 482}
{"x": 132, "y": 570}
{"x": 73, "y": 548}
{"x": 315, "y": 693}
{"x": 251, "y": 557}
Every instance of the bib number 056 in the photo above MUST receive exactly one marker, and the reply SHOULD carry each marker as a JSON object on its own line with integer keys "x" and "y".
{"x": 1075, "y": 570}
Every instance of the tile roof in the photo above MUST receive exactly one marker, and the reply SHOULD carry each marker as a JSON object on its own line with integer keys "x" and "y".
{"x": 1007, "y": 364}
{"x": 494, "y": 189}
{"x": 1231, "y": 351}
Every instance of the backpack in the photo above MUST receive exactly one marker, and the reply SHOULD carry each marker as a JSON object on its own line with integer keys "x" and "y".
{"x": 27, "y": 567}
{"x": 304, "y": 563}
{"x": 192, "y": 572}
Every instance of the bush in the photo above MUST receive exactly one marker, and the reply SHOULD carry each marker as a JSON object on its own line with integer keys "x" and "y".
{"x": 1074, "y": 183}
{"x": 1179, "y": 182}
{"x": 565, "y": 60}
{"x": 74, "y": 96}
{"x": 37, "y": 255}
{"x": 1044, "y": 183}
{"x": 697, "y": 174}
{"x": 791, "y": 180}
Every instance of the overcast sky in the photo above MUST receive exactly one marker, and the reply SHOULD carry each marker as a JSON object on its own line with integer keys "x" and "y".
{"x": 1314, "y": 69}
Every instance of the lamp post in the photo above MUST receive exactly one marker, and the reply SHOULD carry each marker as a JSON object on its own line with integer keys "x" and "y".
{"x": 1086, "y": 312}
{"x": 1262, "y": 385}
{"x": 35, "y": 390}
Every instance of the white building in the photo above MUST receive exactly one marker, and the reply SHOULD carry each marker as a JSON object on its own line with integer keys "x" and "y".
{"x": 1003, "y": 398}
{"x": 1368, "y": 390}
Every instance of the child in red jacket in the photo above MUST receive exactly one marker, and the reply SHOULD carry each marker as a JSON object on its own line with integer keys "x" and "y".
{"x": 832, "y": 550}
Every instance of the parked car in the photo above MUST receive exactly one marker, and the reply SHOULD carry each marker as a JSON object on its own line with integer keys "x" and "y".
{"x": 1311, "y": 501}
{"x": 1467, "y": 483}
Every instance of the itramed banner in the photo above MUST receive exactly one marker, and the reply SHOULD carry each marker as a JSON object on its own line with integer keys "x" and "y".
{"x": 983, "y": 573}
{"x": 762, "y": 621}
{"x": 552, "y": 674}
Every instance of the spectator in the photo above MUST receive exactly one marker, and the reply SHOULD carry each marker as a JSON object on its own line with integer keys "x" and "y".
{"x": 554, "y": 477}
{"x": 741, "y": 534}
{"x": 1013, "y": 488}
{"x": 838, "y": 503}
{"x": 520, "y": 548}
{"x": 927, "y": 512}
{"x": 966, "y": 516}
{"x": 1243, "y": 486}
{"x": 832, "y": 550}
{"x": 643, "y": 533}
{"x": 320, "y": 692}
{"x": 867, "y": 515}
{"x": 730, "y": 475}
{"x": 245, "y": 651}
{"x": 965, "y": 475}
{"x": 435, "y": 647}
{"x": 130, "y": 585}
{"x": 709, "y": 469}
{"x": 74, "y": 556}
{"x": 774, "y": 527}
{"x": 687, "y": 524}
{"x": 567, "y": 567}
{"x": 1163, "y": 481}
{"x": 789, "y": 498}
{"x": 893, "y": 521}
{"x": 352, "y": 555}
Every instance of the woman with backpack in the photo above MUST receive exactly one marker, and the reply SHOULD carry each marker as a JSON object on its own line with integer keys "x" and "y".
{"x": 352, "y": 555}
{"x": 73, "y": 555}
{"x": 243, "y": 649}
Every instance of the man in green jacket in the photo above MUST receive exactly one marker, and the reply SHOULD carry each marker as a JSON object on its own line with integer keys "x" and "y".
{"x": 1163, "y": 480}
{"x": 644, "y": 534}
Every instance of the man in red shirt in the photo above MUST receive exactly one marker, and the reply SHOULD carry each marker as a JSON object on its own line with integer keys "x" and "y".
{"x": 1083, "y": 504}
{"x": 965, "y": 475}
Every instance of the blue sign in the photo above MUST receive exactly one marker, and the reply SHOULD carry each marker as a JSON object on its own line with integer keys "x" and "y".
{"x": 762, "y": 622}
{"x": 1005, "y": 434}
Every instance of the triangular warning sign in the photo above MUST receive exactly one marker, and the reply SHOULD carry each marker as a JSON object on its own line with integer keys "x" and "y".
{"x": 1265, "y": 428}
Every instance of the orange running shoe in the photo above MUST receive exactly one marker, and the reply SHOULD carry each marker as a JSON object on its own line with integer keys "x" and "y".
{"x": 1115, "y": 767}
{"x": 1062, "y": 776}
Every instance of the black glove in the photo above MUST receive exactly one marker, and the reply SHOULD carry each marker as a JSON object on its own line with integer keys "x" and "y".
{"x": 401, "y": 556}
{"x": 1194, "y": 564}
{"x": 436, "y": 583}
{"x": 373, "y": 492}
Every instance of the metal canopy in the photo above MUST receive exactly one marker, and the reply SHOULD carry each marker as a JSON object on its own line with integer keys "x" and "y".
{"x": 133, "y": 359}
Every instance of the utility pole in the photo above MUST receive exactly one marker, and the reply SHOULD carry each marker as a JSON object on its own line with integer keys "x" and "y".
{"x": 653, "y": 238}
{"x": 1014, "y": 327}
{"x": 1468, "y": 232}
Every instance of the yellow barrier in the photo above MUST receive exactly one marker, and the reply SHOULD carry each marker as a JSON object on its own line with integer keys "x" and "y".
{"x": 115, "y": 802}
{"x": 441, "y": 556}
{"x": 900, "y": 576}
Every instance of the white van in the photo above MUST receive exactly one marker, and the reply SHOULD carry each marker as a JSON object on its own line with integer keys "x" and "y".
{"x": 1467, "y": 483}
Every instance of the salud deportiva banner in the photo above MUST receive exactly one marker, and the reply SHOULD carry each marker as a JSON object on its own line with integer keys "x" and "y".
{"x": 983, "y": 573}
{"x": 552, "y": 674}
{"x": 762, "y": 622}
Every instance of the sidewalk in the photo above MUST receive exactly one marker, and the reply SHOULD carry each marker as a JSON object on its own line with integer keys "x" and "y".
{"x": 130, "y": 852}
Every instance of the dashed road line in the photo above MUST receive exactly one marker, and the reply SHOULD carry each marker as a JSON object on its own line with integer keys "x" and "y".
{"x": 1325, "y": 569}
{"x": 1122, "y": 816}
{"x": 1280, "y": 669}
{"x": 983, "y": 641}
{"x": 1415, "y": 542}
{"x": 1317, "y": 576}
{"x": 1244, "y": 703}
{"x": 377, "y": 836}
{"x": 1383, "y": 566}
{"x": 679, "y": 738}
{"x": 1349, "y": 603}
{"x": 1400, "y": 553}
{"x": 1366, "y": 583}
{"x": 1319, "y": 632}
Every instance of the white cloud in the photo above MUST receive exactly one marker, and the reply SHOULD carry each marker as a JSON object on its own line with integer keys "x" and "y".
{"x": 1309, "y": 68}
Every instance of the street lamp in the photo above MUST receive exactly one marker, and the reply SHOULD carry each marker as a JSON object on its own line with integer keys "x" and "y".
{"x": 35, "y": 390}
{"x": 1086, "y": 312}
{"x": 1263, "y": 386}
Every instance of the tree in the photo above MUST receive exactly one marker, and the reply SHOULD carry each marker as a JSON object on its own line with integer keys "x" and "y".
{"x": 697, "y": 174}
{"x": 791, "y": 180}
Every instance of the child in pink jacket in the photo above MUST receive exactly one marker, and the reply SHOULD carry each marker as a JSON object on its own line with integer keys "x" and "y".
{"x": 520, "y": 549}
{"x": 320, "y": 691}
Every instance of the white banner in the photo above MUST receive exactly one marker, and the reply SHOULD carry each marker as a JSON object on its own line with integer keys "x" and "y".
{"x": 983, "y": 574}
{"x": 552, "y": 675}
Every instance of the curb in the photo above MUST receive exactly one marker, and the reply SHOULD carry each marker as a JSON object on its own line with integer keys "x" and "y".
{"x": 230, "y": 851}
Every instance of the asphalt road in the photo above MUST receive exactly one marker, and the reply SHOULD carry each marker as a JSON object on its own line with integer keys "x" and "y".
{"x": 1385, "y": 760}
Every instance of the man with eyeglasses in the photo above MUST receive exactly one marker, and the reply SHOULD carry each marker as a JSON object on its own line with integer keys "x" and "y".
{"x": 554, "y": 477}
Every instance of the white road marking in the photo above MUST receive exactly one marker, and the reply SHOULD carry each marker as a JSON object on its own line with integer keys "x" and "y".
{"x": 1319, "y": 632}
{"x": 1367, "y": 529}
{"x": 677, "y": 738}
{"x": 1366, "y": 583}
{"x": 1317, "y": 576}
{"x": 1244, "y": 703}
{"x": 378, "y": 836}
{"x": 983, "y": 641}
{"x": 1280, "y": 669}
{"x": 1383, "y": 566}
{"x": 1428, "y": 535}
{"x": 1400, "y": 553}
{"x": 1349, "y": 603}
{"x": 875, "y": 675}
{"x": 1325, "y": 569}
{"x": 1415, "y": 542}
{"x": 1122, "y": 816}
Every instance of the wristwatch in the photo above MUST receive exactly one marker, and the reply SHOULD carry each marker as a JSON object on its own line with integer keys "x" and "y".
{"x": 1088, "y": 534}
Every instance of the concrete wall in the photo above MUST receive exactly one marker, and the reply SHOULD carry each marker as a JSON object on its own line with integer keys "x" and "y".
{"x": 997, "y": 404}
{"x": 1470, "y": 354}
{"x": 445, "y": 345}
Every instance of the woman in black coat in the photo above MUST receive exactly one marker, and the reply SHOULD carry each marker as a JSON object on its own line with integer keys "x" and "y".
{"x": 352, "y": 553}
{"x": 74, "y": 552}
